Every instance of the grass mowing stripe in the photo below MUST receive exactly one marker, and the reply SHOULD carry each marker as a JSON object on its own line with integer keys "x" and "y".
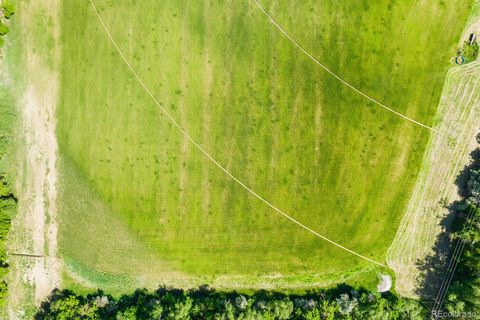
{"x": 290, "y": 132}
{"x": 185, "y": 133}
{"x": 279, "y": 27}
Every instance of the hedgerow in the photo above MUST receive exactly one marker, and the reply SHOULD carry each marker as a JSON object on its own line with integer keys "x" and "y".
{"x": 343, "y": 302}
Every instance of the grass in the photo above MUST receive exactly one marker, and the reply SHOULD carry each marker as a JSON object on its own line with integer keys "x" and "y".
{"x": 426, "y": 218}
{"x": 29, "y": 29}
{"x": 140, "y": 201}
{"x": 436, "y": 186}
{"x": 7, "y": 198}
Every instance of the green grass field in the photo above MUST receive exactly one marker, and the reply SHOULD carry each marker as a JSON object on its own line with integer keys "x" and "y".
{"x": 138, "y": 201}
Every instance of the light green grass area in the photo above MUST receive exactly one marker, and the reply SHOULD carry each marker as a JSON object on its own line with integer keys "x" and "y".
{"x": 139, "y": 201}
{"x": 30, "y": 34}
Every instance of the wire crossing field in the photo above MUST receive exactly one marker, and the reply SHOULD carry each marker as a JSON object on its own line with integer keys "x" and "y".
{"x": 138, "y": 201}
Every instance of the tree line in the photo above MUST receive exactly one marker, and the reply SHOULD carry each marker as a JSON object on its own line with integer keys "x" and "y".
{"x": 464, "y": 292}
{"x": 8, "y": 200}
{"x": 7, "y": 206}
{"x": 342, "y": 302}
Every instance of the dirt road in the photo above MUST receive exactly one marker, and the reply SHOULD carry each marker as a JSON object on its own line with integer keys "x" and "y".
{"x": 34, "y": 231}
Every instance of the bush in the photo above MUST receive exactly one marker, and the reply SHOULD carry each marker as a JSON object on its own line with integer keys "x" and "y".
{"x": 3, "y": 30}
{"x": 470, "y": 51}
{"x": 8, "y": 9}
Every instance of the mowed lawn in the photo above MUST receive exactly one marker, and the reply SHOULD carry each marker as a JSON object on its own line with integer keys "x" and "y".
{"x": 138, "y": 200}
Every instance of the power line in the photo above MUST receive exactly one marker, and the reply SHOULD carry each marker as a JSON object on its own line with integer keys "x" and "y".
{"x": 208, "y": 156}
{"x": 455, "y": 259}
{"x": 282, "y": 30}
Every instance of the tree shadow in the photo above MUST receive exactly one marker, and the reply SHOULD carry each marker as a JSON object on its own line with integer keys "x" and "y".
{"x": 433, "y": 268}
{"x": 145, "y": 300}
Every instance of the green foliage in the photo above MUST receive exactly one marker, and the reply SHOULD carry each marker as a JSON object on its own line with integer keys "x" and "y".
{"x": 339, "y": 303}
{"x": 464, "y": 293}
{"x": 7, "y": 199}
{"x": 470, "y": 51}
{"x": 3, "y": 293}
{"x": 346, "y": 304}
{"x": 4, "y": 188}
{"x": 8, "y": 9}
{"x": 68, "y": 308}
{"x": 7, "y": 204}
{"x": 3, "y": 30}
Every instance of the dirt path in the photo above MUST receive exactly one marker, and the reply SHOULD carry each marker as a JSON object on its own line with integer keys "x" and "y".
{"x": 34, "y": 230}
{"x": 41, "y": 190}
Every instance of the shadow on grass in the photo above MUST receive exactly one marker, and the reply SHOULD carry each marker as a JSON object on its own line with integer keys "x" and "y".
{"x": 433, "y": 269}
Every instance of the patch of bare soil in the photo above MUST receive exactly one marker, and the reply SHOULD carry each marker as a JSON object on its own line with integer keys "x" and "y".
{"x": 34, "y": 231}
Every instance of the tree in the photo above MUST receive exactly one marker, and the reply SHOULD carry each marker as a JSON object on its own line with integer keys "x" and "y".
{"x": 181, "y": 310}
{"x": 241, "y": 302}
{"x": 473, "y": 188}
{"x": 197, "y": 304}
{"x": 127, "y": 314}
{"x": 464, "y": 293}
{"x": 229, "y": 311}
{"x": 470, "y": 51}
{"x": 8, "y": 9}
{"x": 345, "y": 304}
{"x": 3, "y": 293}
{"x": 3, "y": 29}
{"x": 328, "y": 309}
{"x": 70, "y": 307}
{"x": 157, "y": 311}
{"x": 282, "y": 309}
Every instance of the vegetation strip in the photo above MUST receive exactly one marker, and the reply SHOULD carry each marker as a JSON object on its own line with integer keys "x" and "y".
{"x": 342, "y": 302}
{"x": 8, "y": 204}
{"x": 460, "y": 290}
{"x": 279, "y": 27}
{"x": 459, "y": 117}
{"x": 206, "y": 154}
{"x": 8, "y": 201}
{"x": 454, "y": 261}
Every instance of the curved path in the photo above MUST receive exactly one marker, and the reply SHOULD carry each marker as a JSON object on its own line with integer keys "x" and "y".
{"x": 333, "y": 74}
{"x": 209, "y": 157}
